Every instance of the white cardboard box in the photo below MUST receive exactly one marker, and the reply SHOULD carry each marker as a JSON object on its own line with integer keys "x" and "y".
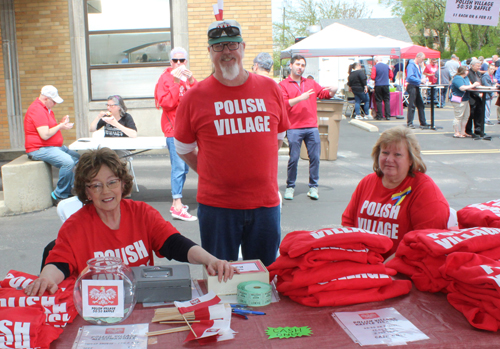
{"x": 251, "y": 270}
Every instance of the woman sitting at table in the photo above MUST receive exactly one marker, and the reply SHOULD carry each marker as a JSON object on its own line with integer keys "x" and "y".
{"x": 108, "y": 225}
{"x": 399, "y": 197}
{"x": 460, "y": 85}
{"x": 357, "y": 85}
{"x": 116, "y": 121}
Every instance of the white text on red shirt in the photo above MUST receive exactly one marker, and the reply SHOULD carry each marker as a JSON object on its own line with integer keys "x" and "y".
{"x": 129, "y": 254}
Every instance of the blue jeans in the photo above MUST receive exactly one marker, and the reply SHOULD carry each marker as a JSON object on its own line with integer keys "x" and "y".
{"x": 65, "y": 160}
{"x": 361, "y": 97}
{"x": 178, "y": 172}
{"x": 444, "y": 93}
{"x": 313, "y": 144}
{"x": 258, "y": 230}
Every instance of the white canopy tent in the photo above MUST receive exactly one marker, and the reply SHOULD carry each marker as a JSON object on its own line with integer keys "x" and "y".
{"x": 340, "y": 40}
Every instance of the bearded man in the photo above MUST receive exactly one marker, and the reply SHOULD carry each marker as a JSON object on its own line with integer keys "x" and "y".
{"x": 229, "y": 129}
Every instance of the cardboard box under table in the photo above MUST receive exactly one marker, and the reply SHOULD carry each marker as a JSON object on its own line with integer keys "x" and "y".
{"x": 165, "y": 283}
{"x": 250, "y": 270}
{"x": 329, "y": 116}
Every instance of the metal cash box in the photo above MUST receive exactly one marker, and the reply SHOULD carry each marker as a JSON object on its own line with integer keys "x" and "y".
{"x": 164, "y": 283}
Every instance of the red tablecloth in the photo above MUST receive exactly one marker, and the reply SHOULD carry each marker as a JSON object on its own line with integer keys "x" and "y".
{"x": 396, "y": 103}
{"x": 431, "y": 313}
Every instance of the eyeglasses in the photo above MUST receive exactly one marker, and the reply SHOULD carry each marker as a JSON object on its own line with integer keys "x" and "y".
{"x": 97, "y": 187}
{"x": 175, "y": 60}
{"x": 111, "y": 105}
{"x": 217, "y": 32}
{"x": 232, "y": 46}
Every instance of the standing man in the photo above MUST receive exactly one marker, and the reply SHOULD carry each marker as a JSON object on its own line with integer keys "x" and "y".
{"x": 300, "y": 98}
{"x": 381, "y": 73}
{"x": 44, "y": 140}
{"x": 484, "y": 65}
{"x": 452, "y": 65}
{"x": 171, "y": 87}
{"x": 229, "y": 129}
{"x": 262, "y": 64}
{"x": 414, "y": 78}
{"x": 445, "y": 80}
{"x": 476, "y": 105}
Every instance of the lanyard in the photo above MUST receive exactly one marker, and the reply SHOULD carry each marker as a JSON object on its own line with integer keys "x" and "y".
{"x": 296, "y": 84}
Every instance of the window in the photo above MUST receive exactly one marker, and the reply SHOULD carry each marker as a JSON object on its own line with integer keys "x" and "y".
{"x": 128, "y": 46}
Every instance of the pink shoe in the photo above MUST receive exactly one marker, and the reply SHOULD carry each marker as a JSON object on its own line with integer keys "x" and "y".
{"x": 186, "y": 207}
{"x": 183, "y": 215}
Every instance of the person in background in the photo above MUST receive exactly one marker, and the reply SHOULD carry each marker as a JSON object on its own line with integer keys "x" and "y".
{"x": 452, "y": 65}
{"x": 262, "y": 64}
{"x": 357, "y": 85}
{"x": 300, "y": 97}
{"x": 398, "y": 197}
{"x": 414, "y": 78}
{"x": 108, "y": 225}
{"x": 488, "y": 79}
{"x": 444, "y": 73}
{"x": 116, "y": 121}
{"x": 459, "y": 88}
{"x": 476, "y": 120}
{"x": 381, "y": 74}
{"x": 44, "y": 140}
{"x": 398, "y": 67}
{"x": 229, "y": 129}
{"x": 430, "y": 73}
{"x": 173, "y": 83}
{"x": 484, "y": 65}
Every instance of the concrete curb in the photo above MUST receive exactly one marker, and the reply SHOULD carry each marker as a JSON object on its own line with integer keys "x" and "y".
{"x": 364, "y": 125}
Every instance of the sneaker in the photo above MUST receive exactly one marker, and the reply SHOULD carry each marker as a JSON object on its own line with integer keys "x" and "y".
{"x": 55, "y": 199}
{"x": 359, "y": 117}
{"x": 289, "y": 193}
{"x": 313, "y": 193}
{"x": 400, "y": 117}
{"x": 488, "y": 123}
{"x": 411, "y": 126}
{"x": 368, "y": 117}
{"x": 183, "y": 215}
{"x": 185, "y": 207}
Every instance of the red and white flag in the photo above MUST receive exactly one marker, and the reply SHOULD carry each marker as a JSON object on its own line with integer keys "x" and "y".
{"x": 219, "y": 311}
{"x": 197, "y": 303}
{"x": 218, "y": 10}
{"x": 209, "y": 328}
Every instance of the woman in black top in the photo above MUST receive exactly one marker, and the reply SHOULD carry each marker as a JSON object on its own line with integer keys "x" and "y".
{"x": 116, "y": 122}
{"x": 357, "y": 85}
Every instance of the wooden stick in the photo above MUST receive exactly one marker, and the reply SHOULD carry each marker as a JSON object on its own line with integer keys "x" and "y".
{"x": 177, "y": 322}
{"x": 187, "y": 322}
{"x": 171, "y": 330}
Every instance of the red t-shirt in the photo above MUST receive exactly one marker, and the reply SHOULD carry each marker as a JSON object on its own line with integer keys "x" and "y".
{"x": 167, "y": 96}
{"x": 236, "y": 129}
{"x": 417, "y": 203}
{"x": 84, "y": 236}
{"x": 38, "y": 115}
{"x": 431, "y": 69}
{"x": 304, "y": 113}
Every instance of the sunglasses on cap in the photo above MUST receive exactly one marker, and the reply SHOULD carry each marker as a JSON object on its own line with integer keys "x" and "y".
{"x": 217, "y": 32}
{"x": 175, "y": 60}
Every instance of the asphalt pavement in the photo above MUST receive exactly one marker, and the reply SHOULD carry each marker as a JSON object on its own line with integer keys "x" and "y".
{"x": 466, "y": 170}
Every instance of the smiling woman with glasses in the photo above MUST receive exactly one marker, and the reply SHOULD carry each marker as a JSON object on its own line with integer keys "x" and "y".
{"x": 108, "y": 225}
{"x": 116, "y": 121}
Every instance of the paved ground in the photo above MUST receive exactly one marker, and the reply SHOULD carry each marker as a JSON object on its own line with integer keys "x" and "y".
{"x": 467, "y": 172}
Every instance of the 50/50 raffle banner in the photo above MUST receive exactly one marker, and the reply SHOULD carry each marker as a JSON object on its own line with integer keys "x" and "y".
{"x": 472, "y": 12}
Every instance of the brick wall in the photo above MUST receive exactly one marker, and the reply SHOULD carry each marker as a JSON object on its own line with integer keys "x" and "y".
{"x": 255, "y": 18}
{"x": 44, "y": 55}
{"x": 4, "y": 122}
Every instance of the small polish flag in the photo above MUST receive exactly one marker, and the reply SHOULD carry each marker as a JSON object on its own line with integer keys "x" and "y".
{"x": 197, "y": 303}
{"x": 214, "y": 312}
{"x": 218, "y": 10}
{"x": 209, "y": 328}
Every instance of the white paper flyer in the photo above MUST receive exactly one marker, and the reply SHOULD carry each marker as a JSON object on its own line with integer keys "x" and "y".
{"x": 381, "y": 326}
{"x": 112, "y": 337}
{"x": 102, "y": 298}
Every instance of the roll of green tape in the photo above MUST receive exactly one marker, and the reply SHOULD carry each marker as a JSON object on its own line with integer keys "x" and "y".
{"x": 254, "y": 293}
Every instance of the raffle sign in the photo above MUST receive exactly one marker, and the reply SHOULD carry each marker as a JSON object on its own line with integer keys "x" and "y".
{"x": 472, "y": 12}
{"x": 102, "y": 298}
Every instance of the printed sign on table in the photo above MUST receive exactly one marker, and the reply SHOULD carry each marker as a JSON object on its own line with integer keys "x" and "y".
{"x": 102, "y": 298}
{"x": 472, "y": 12}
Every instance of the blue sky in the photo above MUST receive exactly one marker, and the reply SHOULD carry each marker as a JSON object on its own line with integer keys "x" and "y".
{"x": 379, "y": 11}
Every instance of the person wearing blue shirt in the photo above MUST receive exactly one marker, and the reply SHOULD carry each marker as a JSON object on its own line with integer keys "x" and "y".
{"x": 414, "y": 78}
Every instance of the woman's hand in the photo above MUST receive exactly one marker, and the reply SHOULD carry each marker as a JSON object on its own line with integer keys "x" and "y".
{"x": 39, "y": 286}
{"x": 222, "y": 269}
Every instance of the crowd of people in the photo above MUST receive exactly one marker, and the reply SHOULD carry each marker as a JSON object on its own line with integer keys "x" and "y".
{"x": 227, "y": 128}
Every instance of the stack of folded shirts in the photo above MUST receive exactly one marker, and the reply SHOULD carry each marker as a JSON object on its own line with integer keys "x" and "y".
{"x": 331, "y": 267}
{"x": 486, "y": 214}
{"x": 474, "y": 288}
{"x": 422, "y": 252}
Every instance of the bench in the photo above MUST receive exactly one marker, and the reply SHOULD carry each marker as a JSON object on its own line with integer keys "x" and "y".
{"x": 27, "y": 185}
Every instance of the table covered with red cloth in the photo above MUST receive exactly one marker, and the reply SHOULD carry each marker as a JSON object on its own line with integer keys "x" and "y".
{"x": 429, "y": 312}
{"x": 396, "y": 104}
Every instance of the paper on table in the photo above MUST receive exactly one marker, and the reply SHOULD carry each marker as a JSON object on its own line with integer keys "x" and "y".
{"x": 381, "y": 326}
{"x": 112, "y": 337}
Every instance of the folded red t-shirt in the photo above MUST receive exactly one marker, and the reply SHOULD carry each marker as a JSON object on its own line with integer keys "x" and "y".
{"x": 486, "y": 214}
